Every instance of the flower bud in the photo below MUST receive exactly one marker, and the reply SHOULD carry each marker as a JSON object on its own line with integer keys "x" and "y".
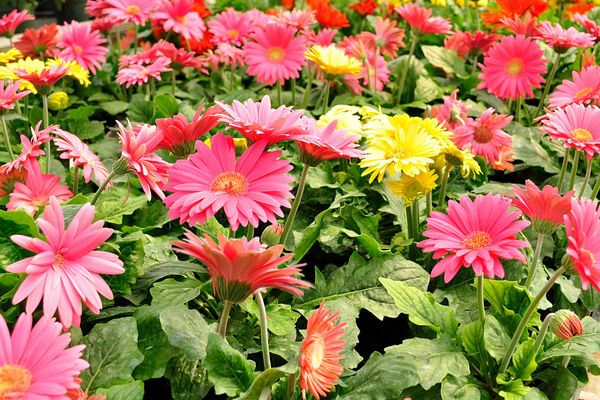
{"x": 120, "y": 166}
{"x": 567, "y": 263}
{"x": 58, "y": 101}
{"x": 565, "y": 324}
{"x": 271, "y": 236}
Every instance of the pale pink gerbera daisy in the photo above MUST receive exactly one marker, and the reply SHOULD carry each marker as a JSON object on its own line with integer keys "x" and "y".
{"x": 9, "y": 95}
{"x": 299, "y": 19}
{"x": 484, "y": 136}
{"x": 230, "y": 26}
{"x": 257, "y": 18}
{"x": 328, "y": 143}
{"x": 274, "y": 55}
{"x": 584, "y": 89}
{"x": 323, "y": 38}
{"x": 74, "y": 149}
{"x": 561, "y": 39}
{"x": 583, "y": 233}
{"x": 386, "y": 37}
{"x": 230, "y": 55}
{"x": 589, "y": 25}
{"x": 136, "y": 11}
{"x": 31, "y": 148}
{"x": 36, "y": 362}
{"x": 453, "y": 113}
{"x": 139, "y": 74}
{"x": 177, "y": 16}
{"x": 80, "y": 43}
{"x": 476, "y": 234}
{"x": 512, "y": 66}
{"x": 258, "y": 121}
{"x": 138, "y": 146}
{"x": 253, "y": 188}
{"x": 37, "y": 191}
{"x": 66, "y": 268}
{"x": 576, "y": 126}
{"x": 420, "y": 20}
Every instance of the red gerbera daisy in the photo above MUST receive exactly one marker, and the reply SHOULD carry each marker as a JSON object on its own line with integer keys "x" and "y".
{"x": 526, "y": 26}
{"x": 38, "y": 41}
{"x": 200, "y": 7}
{"x": 327, "y": 16}
{"x": 511, "y": 9}
{"x": 364, "y": 7}
{"x": 466, "y": 43}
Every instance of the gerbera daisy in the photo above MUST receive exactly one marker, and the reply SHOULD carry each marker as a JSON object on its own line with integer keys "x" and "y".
{"x": 95, "y": 8}
{"x": 68, "y": 259}
{"x": 139, "y": 74}
{"x": 180, "y": 58}
{"x": 460, "y": 158}
{"x": 512, "y": 66}
{"x": 322, "y": 38}
{"x": 561, "y": 39}
{"x": 239, "y": 268}
{"x": 376, "y": 72}
{"x": 274, "y": 55}
{"x": 328, "y": 143}
{"x": 511, "y": 9}
{"x": 320, "y": 359}
{"x": 420, "y": 20}
{"x": 135, "y": 11}
{"x": 31, "y": 148}
{"x": 253, "y": 188}
{"x": 387, "y": 38}
{"x": 8, "y": 180}
{"x": 75, "y": 70}
{"x": 10, "y": 22}
{"x": 584, "y": 89}
{"x": 230, "y": 26}
{"x": 257, "y": 120}
{"x": 36, "y": 362}
{"x": 35, "y": 75}
{"x": 10, "y": 56}
{"x": 177, "y": 16}
{"x": 299, "y": 19}
{"x": 565, "y": 324}
{"x": 200, "y": 46}
{"x": 484, "y": 136}
{"x": 526, "y": 26}
{"x": 506, "y": 160}
{"x": 469, "y": 44}
{"x": 78, "y": 42}
{"x": 333, "y": 61}
{"x": 200, "y": 7}
{"x": 589, "y": 25}
{"x": 141, "y": 57}
{"x": 583, "y": 230}
{"x": 103, "y": 25}
{"x": 476, "y": 234}
{"x": 258, "y": 18}
{"x": 364, "y": 7}
{"x": 36, "y": 42}
{"x": 9, "y": 95}
{"x": 411, "y": 188}
{"x": 452, "y": 114}
{"x": 79, "y": 394}
{"x": 382, "y": 125}
{"x": 347, "y": 117}
{"x": 327, "y": 15}
{"x": 580, "y": 8}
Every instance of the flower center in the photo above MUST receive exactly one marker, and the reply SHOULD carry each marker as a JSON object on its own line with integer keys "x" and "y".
{"x": 477, "y": 240}
{"x": 144, "y": 72}
{"x": 182, "y": 19}
{"x": 514, "y": 67}
{"x": 59, "y": 260}
{"x": 587, "y": 256}
{"x": 398, "y": 152}
{"x": 483, "y": 134}
{"x": 232, "y": 33}
{"x": 314, "y": 352}
{"x": 78, "y": 49}
{"x": 132, "y": 10}
{"x": 14, "y": 381}
{"x": 583, "y": 135}
{"x": 234, "y": 183}
{"x": 583, "y": 92}
{"x": 414, "y": 189}
{"x": 276, "y": 54}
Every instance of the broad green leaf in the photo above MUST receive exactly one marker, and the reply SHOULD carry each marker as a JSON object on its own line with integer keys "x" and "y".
{"x": 580, "y": 356}
{"x": 462, "y": 299}
{"x": 445, "y": 59}
{"x": 113, "y": 211}
{"x": 86, "y": 130}
{"x": 115, "y": 107}
{"x": 187, "y": 330}
{"x": 128, "y": 391}
{"x": 101, "y": 97}
{"x": 228, "y": 369}
{"x": 535, "y": 394}
{"x": 515, "y": 390}
{"x": 563, "y": 386}
{"x": 491, "y": 100}
{"x": 132, "y": 255}
{"x": 267, "y": 379}
{"x": 496, "y": 339}
{"x": 166, "y": 106}
{"x": 474, "y": 344}
{"x": 140, "y": 110}
{"x": 188, "y": 379}
{"x": 280, "y": 317}
{"x": 532, "y": 153}
{"x": 463, "y": 388}
{"x": 523, "y": 361}
{"x": 152, "y": 216}
{"x": 421, "y": 307}
{"x": 309, "y": 236}
{"x": 83, "y": 112}
{"x": 15, "y": 223}
{"x": 568, "y": 289}
{"x": 508, "y": 298}
{"x": 427, "y": 90}
{"x": 212, "y": 228}
{"x": 590, "y": 298}
{"x": 171, "y": 292}
{"x": 434, "y": 359}
{"x": 239, "y": 95}
{"x": 112, "y": 351}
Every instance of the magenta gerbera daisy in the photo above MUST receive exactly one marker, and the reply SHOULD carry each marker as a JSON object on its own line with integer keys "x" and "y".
{"x": 583, "y": 232}
{"x": 135, "y": 11}
{"x": 274, "y": 55}
{"x": 584, "y": 89}
{"x": 477, "y": 234}
{"x": 177, "y": 16}
{"x": 78, "y": 42}
{"x": 231, "y": 26}
{"x": 561, "y": 39}
{"x": 253, "y": 188}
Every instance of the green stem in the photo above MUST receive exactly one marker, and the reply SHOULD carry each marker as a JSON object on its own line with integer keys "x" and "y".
{"x": 222, "y": 330}
{"x": 405, "y": 69}
{"x": 534, "y": 260}
{"x": 596, "y": 189}
{"x": 563, "y": 170}
{"x": 173, "y": 82}
{"x": 573, "y": 170}
{"x": 306, "y": 97}
{"x": 377, "y": 51}
{"x": 279, "y": 93}
{"x": 231, "y": 81}
{"x": 477, "y": 21}
{"x": 26, "y": 113}
{"x": 518, "y": 110}
{"x": 537, "y": 345}
{"x": 118, "y": 35}
{"x": 566, "y": 360}
{"x": 442, "y": 198}
{"x": 523, "y": 324}
{"x": 293, "y": 83}
{"x": 290, "y": 219}
{"x": 480, "y": 303}
{"x": 429, "y": 205}
{"x": 264, "y": 332}
{"x": 588, "y": 172}
{"x": 135, "y": 39}
{"x": 416, "y": 221}
{"x": 75, "y": 180}
{"x": 6, "y": 138}
{"x": 250, "y": 233}
{"x": 46, "y": 123}
{"x": 326, "y": 98}
{"x": 102, "y": 186}
{"x": 475, "y": 59}
{"x": 291, "y": 386}
{"x": 547, "y": 87}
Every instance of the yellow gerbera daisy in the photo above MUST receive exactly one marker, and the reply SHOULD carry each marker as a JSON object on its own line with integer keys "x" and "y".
{"x": 480, "y": 3}
{"x": 407, "y": 151}
{"x": 10, "y": 56}
{"x": 76, "y": 71}
{"x": 29, "y": 65}
{"x": 431, "y": 126}
{"x": 333, "y": 61}
{"x": 346, "y": 117}
{"x": 439, "y": 3}
{"x": 411, "y": 188}
{"x": 369, "y": 112}
{"x": 460, "y": 158}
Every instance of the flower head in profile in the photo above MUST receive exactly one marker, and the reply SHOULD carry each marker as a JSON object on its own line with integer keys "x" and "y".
{"x": 328, "y": 143}
{"x": 471, "y": 44}
{"x": 134, "y": 11}
{"x": 583, "y": 233}
{"x": 411, "y": 188}
{"x": 38, "y": 41}
{"x": 590, "y": 26}
{"x": 327, "y": 15}
{"x": 421, "y": 21}
{"x": 95, "y": 8}
{"x": 177, "y": 16}
{"x": 36, "y": 361}
{"x": 31, "y": 148}
{"x": 526, "y": 26}
{"x": 9, "y": 95}
{"x": 333, "y": 61}
{"x": 78, "y": 42}
{"x": 103, "y": 25}
{"x": 239, "y": 268}
{"x": 505, "y": 161}
{"x": 251, "y": 189}
{"x": 452, "y": 114}
{"x": 513, "y": 9}
{"x": 299, "y": 19}
{"x": 460, "y": 158}
{"x": 231, "y": 26}
{"x": 180, "y": 58}
{"x": 320, "y": 353}
{"x": 9, "y": 179}
{"x": 565, "y": 324}
{"x": 387, "y": 37}
{"x": 477, "y": 234}
{"x": 137, "y": 74}
{"x": 584, "y": 89}
{"x": 561, "y": 39}
{"x": 10, "y": 22}
{"x": 35, "y": 75}
{"x": 69, "y": 259}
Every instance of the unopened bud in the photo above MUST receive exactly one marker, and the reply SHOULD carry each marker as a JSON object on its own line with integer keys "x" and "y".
{"x": 567, "y": 264}
{"x": 565, "y": 324}
{"x": 455, "y": 114}
{"x": 271, "y": 236}
{"x": 58, "y": 101}
{"x": 120, "y": 166}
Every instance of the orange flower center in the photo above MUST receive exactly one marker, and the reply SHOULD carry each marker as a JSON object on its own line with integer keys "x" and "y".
{"x": 583, "y": 135}
{"x": 587, "y": 256}
{"x": 483, "y": 134}
{"x": 583, "y": 92}
{"x": 59, "y": 260}
{"x": 314, "y": 352}
{"x": 14, "y": 381}
{"x": 182, "y": 19}
{"x": 78, "y": 49}
{"x": 477, "y": 240}
{"x": 232, "y": 33}
{"x": 276, "y": 54}
{"x": 234, "y": 183}
{"x": 132, "y": 10}
{"x": 514, "y": 67}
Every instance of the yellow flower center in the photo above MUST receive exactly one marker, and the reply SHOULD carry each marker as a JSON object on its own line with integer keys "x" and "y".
{"x": 182, "y": 19}
{"x": 583, "y": 135}
{"x": 78, "y": 49}
{"x": 314, "y": 352}
{"x": 583, "y": 92}
{"x": 414, "y": 189}
{"x": 234, "y": 183}
{"x": 276, "y": 54}
{"x": 232, "y": 33}
{"x": 483, "y": 134}
{"x": 477, "y": 240}
{"x": 59, "y": 260}
{"x": 514, "y": 67}
{"x": 398, "y": 152}
{"x": 589, "y": 254}
{"x": 132, "y": 10}
{"x": 14, "y": 382}
{"x": 144, "y": 72}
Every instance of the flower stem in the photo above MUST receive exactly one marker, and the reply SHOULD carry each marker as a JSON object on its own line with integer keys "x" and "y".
{"x": 102, "y": 186}
{"x": 377, "y": 51}
{"x": 596, "y": 189}
{"x": 540, "y": 337}
{"x": 46, "y": 123}
{"x": 222, "y": 330}
{"x": 306, "y": 97}
{"x": 118, "y": 35}
{"x": 534, "y": 260}
{"x": 6, "y": 138}
{"x": 279, "y": 93}
{"x": 548, "y": 84}
{"x": 563, "y": 170}
{"x": 573, "y": 171}
{"x": 480, "y": 303}
{"x": 523, "y": 324}
{"x": 588, "y": 172}
{"x": 75, "y": 180}
{"x": 291, "y": 386}
{"x": 442, "y": 198}
{"x": 405, "y": 70}
{"x": 429, "y": 205}
{"x": 264, "y": 332}
{"x": 250, "y": 233}
{"x": 416, "y": 222}
{"x": 518, "y": 110}
{"x": 290, "y": 219}
{"x": 293, "y": 83}
{"x": 26, "y": 113}
{"x": 326, "y": 98}
{"x": 475, "y": 59}
{"x": 173, "y": 82}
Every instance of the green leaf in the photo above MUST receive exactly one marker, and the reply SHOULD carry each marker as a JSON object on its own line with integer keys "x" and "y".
{"x": 115, "y": 107}
{"x": 445, "y": 59}
{"x": 188, "y": 379}
{"x": 239, "y": 95}
{"x": 84, "y": 112}
{"x": 280, "y": 317}
{"x": 187, "y": 330}
{"x": 590, "y": 298}
{"x": 474, "y": 344}
{"x": 228, "y": 370}
{"x": 140, "y": 110}
{"x": 427, "y": 90}
{"x": 86, "y": 130}
{"x": 268, "y": 378}
{"x": 568, "y": 289}
{"x": 563, "y": 386}
{"x": 309, "y": 236}
{"x": 128, "y": 391}
{"x": 434, "y": 359}
{"x": 462, "y": 299}
{"x": 421, "y": 308}
{"x": 462, "y": 388}
{"x": 514, "y": 391}
{"x": 166, "y": 106}
{"x": 113, "y": 211}
{"x": 101, "y": 97}
{"x": 15, "y": 223}
{"x": 112, "y": 351}
{"x": 132, "y": 255}
{"x": 508, "y": 298}
{"x": 523, "y": 361}
{"x": 532, "y": 153}
{"x": 152, "y": 216}
{"x": 173, "y": 293}
{"x": 496, "y": 339}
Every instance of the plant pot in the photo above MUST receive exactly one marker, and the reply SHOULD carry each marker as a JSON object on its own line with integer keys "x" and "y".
{"x": 72, "y": 10}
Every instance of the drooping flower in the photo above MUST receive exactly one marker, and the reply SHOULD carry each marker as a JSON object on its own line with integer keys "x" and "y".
{"x": 79, "y": 43}
{"x": 10, "y": 22}
{"x": 476, "y": 234}
{"x": 583, "y": 230}
{"x": 460, "y": 158}
{"x": 69, "y": 261}
{"x": 584, "y": 89}
{"x": 177, "y": 16}
{"x": 333, "y": 61}
{"x": 526, "y": 26}
{"x": 274, "y": 55}
{"x": 421, "y": 21}
{"x": 38, "y": 41}
{"x": 506, "y": 160}
{"x": 35, "y": 74}
{"x": 590, "y": 26}
{"x": 231, "y": 26}
{"x": 139, "y": 74}
{"x": 387, "y": 37}
{"x": 511, "y": 9}
{"x": 364, "y": 7}
{"x": 95, "y": 8}
{"x": 452, "y": 114}
{"x": 327, "y": 15}
{"x": 328, "y": 143}
{"x": 9, "y": 95}
{"x": 134, "y": 11}
{"x": 8, "y": 180}
{"x": 484, "y": 136}
{"x": 561, "y": 39}
{"x": 36, "y": 362}
{"x": 299, "y": 19}
{"x": 253, "y": 188}
{"x": 411, "y": 188}
{"x": 320, "y": 359}
{"x": 512, "y": 66}
{"x": 565, "y": 324}
{"x": 31, "y": 148}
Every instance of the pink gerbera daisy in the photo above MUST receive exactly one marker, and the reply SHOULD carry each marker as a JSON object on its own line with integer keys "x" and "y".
{"x": 230, "y": 55}
{"x": 299, "y": 19}
{"x": 80, "y": 43}
{"x": 323, "y": 38}
{"x": 387, "y": 38}
{"x": 328, "y": 143}
{"x": 36, "y": 362}
{"x": 258, "y": 121}
{"x": 253, "y": 188}
{"x": 453, "y": 113}
{"x": 257, "y": 18}
{"x": 96, "y": 8}
{"x": 180, "y": 58}
{"x": 512, "y": 66}
{"x": 135, "y": 11}
{"x": 10, "y": 22}
{"x": 103, "y": 25}
{"x": 526, "y": 26}
{"x": 31, "y": 148}
{"x": 141, "y": 57}
{"x": 230, "y": 26}
{"x": 576, "y": 126}
{"x": 8, "y": 180}
{"x": 378, "y": 77}
{"x": 420, "y": 20}
{"x": 561, "y": 39}
{"x": 9, "y": 95}
{"x": 484, "y": 136}
{"x": 177, "y": 16}
{"x": 589, "y": 25}
{"x": 37, "y": 191}
{"x": 465, "y": 43}
{"x": 139, "y": 74}
{"x": 274, "y": 55}
{"x": 584, "y": 89}
{"x": 476, "y": 234}
{"x": 583, "y": 232}
{"x": 66, "y": 268}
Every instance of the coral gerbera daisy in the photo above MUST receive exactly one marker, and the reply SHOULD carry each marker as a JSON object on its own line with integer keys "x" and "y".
{"x": 10, "y": 22}
{"x": 253, "y": 188}
{"x": 452, "y": 114}
{"x": 512, "y": 9}
{"x": 299, "y": 19}
{"x": 35, "y": 42}
{"x": 31, "y": 148}
{"x": 322, "y": 38}
{"x": 387, "y": 38}
{"x": 327, "y": 15}
{"x": 328, "y": 143}
{"x": 36, "y": 362}
{"x": 135, "y": 11}
{"x": 584, "y": 89}
{"x": 333, "y": 61}
{"x": 35, "y": 75}
{"x": 411, "y": 188}
{"x": 583, "y": 232}
{"x": 78, "y": 42}
{"x": 68, "y": 259}
{"x": 320, "y": 359}
{"x": 231, "y": 26}
{"x": 421, "y": 21}
{"x": 466, "y": 43}
{"x": 180, "y": 58}
{"x": 526, "y": 26}
{"x": 274, "y": 55}
{"x": 177, "y": 16}
{"x": 476, "y": 234}
{"x": 561, "y": 39}
{"x": 8, "y": 180}
{"x": 512, "y": 66}
{"x": 139, "y": 74}
{"x": 103, "y": 25}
